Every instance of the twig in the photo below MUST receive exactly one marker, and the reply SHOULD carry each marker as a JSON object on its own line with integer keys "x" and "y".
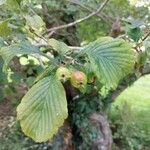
{"x": 48, "y": 45}
{"x": 81, "y": 19}
{"x": 104, "y": 141}
{"x": 39, "y": 45}
{"x": 51, "y": 33}
{"x": 146, "y": 36}
{"x": 48, "y": 57}
{"x": 40, "y": 36}
{"x": 142, "y": 40}
{"x": 75, "y": 47}
{"x": 100, "y": 15}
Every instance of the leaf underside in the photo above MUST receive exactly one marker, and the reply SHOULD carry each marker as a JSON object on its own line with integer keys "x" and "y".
{"x": 111, "y": 59}
{"x": 43, "y": 109}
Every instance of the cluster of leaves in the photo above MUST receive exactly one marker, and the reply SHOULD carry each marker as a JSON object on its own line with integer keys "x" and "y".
{"x": 46, "y": 96}
{"x": 44, "y": 108}
{"x": 45, "y": 102}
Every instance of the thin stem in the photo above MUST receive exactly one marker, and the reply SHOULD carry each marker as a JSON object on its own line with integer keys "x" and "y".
{"x": 87, "y": 8}
{"x": 143, "y": 39}
{"x": 81, "y": 19}
{"x": 146, "y": 36}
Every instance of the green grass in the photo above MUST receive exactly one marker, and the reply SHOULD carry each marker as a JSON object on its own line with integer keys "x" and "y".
{"x": 133, "y": 105}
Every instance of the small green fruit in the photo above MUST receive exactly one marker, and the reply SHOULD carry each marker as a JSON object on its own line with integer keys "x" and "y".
{"x": 63, "y": 74}
{"x": 78, "y": 79}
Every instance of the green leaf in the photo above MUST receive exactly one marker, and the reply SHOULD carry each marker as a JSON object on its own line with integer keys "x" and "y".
{"x": 111, "y": 59}
{"x": 43, "y": 109}
{"x": 18, "y": 1}
{"x": 4, "y": 28}
{"x": 2, "y": 43}
{"x": 3, "y": 76}
{"x": 142, "y": 57}
{"x": 45, "y": 73}
{"x": 133, "y": 23}
{"x": 13, "y": 4}
{"x": 133, "y": 29}
{"x": 89, "y": 72}
{"x": 147, "y": 47}
{"x": 35, "y": 21}
{"x": 135, "y": 34}
{"x": 58, "y": 46}
{"x": 8, "y": 52}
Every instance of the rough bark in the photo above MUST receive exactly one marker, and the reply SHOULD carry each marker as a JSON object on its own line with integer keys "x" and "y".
{"x": 104, "y": 142}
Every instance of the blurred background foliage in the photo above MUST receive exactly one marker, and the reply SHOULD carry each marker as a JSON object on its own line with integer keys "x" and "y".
{"x": 130, "y": 113}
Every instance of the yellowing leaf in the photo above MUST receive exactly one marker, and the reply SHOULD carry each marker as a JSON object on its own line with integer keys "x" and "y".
{"x": 43, "y": 109}
{"x": 4, "y": 28}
